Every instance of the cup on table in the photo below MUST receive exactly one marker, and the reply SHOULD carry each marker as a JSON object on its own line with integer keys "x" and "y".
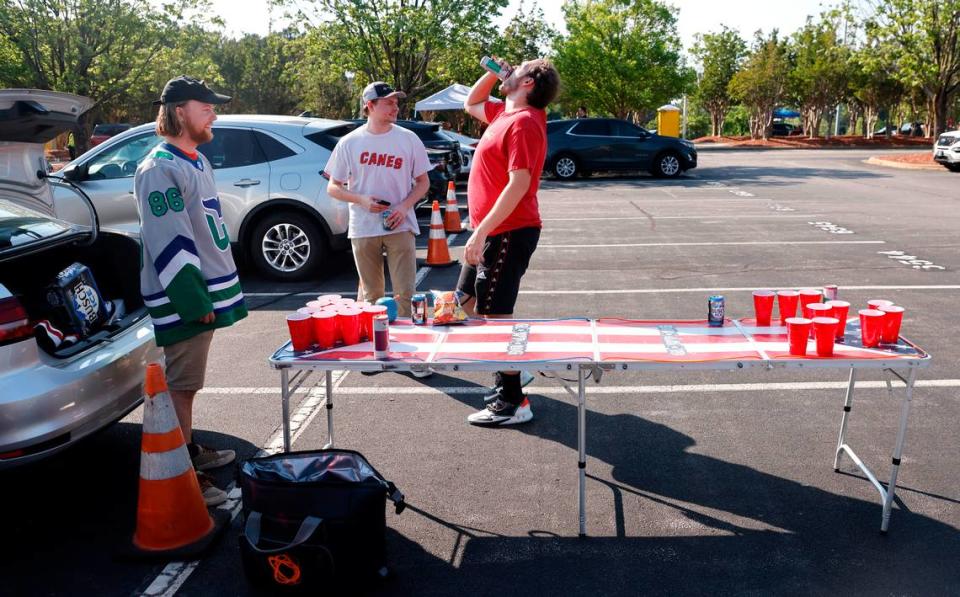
{"x": 328, "y": 299}
{"x": 306, "y": 310}
{"x": 787, "y": 303}
{"x": 871, "y": 324}
{"x": 877, "y": 303}
{"x": 325, "y": 328}
{"x": 825, "y": 332}
{"x": 315, "y": 306}
{"x": 798, "y": 333}
{"x": 892, "y": 318}
{"x": 818, "y": 310}
{"x": 841, "y": 310}
{"x": 348, "y": 321}
{"x": 807, "y": 297}
{"x": 763, "y": 306}
{"x": 366, "y": 319}
{"x": 301, "y": 331}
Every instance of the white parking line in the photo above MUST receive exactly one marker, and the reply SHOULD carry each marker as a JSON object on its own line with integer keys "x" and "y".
{"x": 549, "y": 390}
{"x": 631, "y": 290}
{"x": 714, "y": 244}
{"x": 656, "y": 217}
{"x": 172, "y": 577}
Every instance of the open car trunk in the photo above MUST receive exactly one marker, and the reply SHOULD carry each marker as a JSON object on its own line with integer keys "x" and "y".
{"x": 114, "y": 261}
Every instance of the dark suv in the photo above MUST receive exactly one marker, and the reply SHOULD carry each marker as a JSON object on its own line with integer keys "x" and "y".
{"x": 587, "y": 144}
{"x": 443, "y": 152}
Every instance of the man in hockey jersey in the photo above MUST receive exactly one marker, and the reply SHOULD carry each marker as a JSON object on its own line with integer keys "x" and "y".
{"x": 188, "y": 278}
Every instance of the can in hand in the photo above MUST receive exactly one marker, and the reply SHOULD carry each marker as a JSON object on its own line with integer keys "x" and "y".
{"x": 715, "y": 311}
{"x": 381, "y": 337}
{"x": 493, "y": 67}
{"x": 418, "y": 309}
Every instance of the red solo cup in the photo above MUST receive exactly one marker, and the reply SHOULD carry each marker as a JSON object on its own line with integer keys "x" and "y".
{"x": 763, "y": 305}
{"x": 361, "y": 304}
{"x": 817, "y": 310}
{"x": 825, "y": 330}
{"x": 366, "y": 319}
{"x": 327, "y": 299}
{"x": 301, "y": 331}
{"x": 325, "y": 328}
{"x": 315, "y": 305}
{"x": 305, "y": 311}
{"x": 787, "y": 303}
{"x": 798, "y": 333}
{"x": 871, "y": 323}
{"x": 808, "y": 296}
{"x": 892, "y": 318}
{"x": 877, "y": 303}
{"x": 840, "y": 311}
{"x": 348, "y": 320}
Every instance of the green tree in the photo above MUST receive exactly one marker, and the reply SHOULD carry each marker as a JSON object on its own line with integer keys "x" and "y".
{"x": 257, "y": 72}
{"x": 319, "y": 78}
{"x": 102, "y": 49}
{"x": 922, "y": 38}
{"x": 873, "y": 85}
{"x": 621, "y": 57}
{"x": 720, "y": 55}
{"x": 820, "y": 70}
{"x": 528, "y": 35}
{"x": 761, "y": 84}
{"x": 397, "y": 40}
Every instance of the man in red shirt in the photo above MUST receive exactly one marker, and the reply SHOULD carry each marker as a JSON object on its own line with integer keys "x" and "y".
{"x": 502, "y": 197}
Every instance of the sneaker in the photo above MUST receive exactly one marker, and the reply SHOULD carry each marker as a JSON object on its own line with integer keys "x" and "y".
{"x": 208, "y": 458}
{"x": 421, "y": 374}
{"x": 526, "y": 378}
{"x": 212, "y": 495}
{"x": 499, "y": 412}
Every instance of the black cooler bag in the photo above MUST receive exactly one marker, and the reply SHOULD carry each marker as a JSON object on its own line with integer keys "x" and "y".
{"x": 315, "y": 521}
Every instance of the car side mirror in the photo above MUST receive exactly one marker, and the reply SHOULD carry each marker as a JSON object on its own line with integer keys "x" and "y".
{"x": 70, "y": 173}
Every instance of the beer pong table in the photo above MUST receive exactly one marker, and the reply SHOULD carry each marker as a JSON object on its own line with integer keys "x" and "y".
{"x": 591, "y": 347}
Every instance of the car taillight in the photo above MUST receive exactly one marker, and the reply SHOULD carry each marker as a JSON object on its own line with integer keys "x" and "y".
{"x": 14, "y": 323}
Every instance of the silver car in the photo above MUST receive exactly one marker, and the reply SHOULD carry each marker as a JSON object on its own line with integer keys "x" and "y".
{"x": 55, "y": 392}
{"x": 269, "y": 175}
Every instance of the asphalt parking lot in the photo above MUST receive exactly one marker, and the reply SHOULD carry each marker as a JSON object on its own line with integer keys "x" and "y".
{"x": 698, "y": 482}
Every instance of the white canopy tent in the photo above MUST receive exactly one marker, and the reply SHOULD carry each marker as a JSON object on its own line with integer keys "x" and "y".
{"x": 451, "y": 98}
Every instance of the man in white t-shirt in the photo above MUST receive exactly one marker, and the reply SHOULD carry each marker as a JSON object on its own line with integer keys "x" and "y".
{"x": 380, "y": 169}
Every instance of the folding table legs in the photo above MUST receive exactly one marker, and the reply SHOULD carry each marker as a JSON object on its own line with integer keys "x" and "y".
{"x": 582, "y": 449}
{"x": 286, "y": 391}
{"x": 328, "y": 381}
{"x": 886, "y": 493}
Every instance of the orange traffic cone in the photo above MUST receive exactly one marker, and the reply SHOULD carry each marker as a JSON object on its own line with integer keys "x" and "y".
{"x": 438, "y": 254}
{"x": 451, "y": 219}
{"x": 172, "y": 518}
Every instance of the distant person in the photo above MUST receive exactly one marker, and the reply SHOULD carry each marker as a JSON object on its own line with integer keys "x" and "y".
{"x": 582, "y": 112}
{"x": 380, "y": 169}
{"x": 504, "y": 213}
{"x": 188, "y": 278}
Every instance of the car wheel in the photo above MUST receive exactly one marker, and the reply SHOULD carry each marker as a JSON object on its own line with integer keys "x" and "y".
{"x": 952, "y": 167}
{"x": 565, "y": 167}
{"x": 667, "y": 165}
{"x": 286, "y": 246}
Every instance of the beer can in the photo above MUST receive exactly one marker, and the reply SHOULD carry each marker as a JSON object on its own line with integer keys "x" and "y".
{"x": 381, "y": 337}
{"x": 386, "y": 214}
{"x": 418, "y": 309}
{"x": 715, "y": 311}
{"x": 831, "y": 292}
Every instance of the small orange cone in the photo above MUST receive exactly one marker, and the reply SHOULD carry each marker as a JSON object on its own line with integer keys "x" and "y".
{"x": 438, "y": 254}
{"x": 172, "y": 518}
{"x": 451, "y": 219}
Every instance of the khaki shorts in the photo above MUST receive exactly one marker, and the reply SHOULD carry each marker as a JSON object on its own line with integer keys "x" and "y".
{"x": 186, "y": 362}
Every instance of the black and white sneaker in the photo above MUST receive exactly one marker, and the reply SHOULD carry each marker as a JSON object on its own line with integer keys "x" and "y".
{"x": 499, "y": 412}
{"x": 526, "y": 378}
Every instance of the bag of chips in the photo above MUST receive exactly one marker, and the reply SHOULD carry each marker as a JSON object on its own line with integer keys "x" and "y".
{"x": 447, "y": 308}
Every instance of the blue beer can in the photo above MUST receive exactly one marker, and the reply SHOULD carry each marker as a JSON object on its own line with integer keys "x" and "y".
{"x": 715, "y": 311}
{"x": 418, "y": 309}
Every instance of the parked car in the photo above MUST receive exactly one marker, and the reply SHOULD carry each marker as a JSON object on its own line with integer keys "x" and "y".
{"x": 908, "y": 129}
{"x": 946, "y": 150}
{"x": 58, "y": 391}
{"x": 583, "y": 145}
{"x": 102, "y": 132}
{"x": 468, "y": 145}
{"x": 269, "y": 177}
{"x": 784, "y": 129}
{"x": 443, "y": 152}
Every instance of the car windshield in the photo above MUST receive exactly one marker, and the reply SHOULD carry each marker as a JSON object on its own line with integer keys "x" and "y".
{"x": 121, "y": 161}
{"x": 20, "y": 226}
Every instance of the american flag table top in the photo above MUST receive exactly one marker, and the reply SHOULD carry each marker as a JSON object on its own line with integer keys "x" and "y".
{"x": 562, "y": 343}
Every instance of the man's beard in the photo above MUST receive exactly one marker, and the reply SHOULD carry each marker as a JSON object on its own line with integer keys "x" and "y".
{"x": 198, "y": 134}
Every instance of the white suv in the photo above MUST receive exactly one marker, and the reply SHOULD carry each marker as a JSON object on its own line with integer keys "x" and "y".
{"x": 946, "y": 150}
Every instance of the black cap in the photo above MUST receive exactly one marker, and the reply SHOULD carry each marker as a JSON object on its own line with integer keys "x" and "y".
{"x": 183, "y": 88}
